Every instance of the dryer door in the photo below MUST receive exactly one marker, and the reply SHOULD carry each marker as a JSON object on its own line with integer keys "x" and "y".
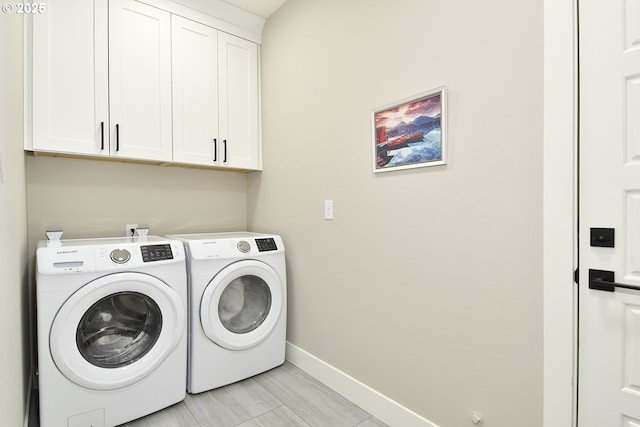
{"x": 242, "y": 304}
{"x": 116, "y": 330}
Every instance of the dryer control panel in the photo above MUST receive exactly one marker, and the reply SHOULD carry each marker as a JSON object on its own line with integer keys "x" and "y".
{"x": 267, "y": 244}
{"x": 231, "y": 246}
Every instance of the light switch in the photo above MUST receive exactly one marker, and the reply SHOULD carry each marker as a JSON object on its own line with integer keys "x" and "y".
{"x": 328, "y": 209}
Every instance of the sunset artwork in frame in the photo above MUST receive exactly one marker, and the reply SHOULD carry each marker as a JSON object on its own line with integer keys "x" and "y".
{"x": 410, "y": 133}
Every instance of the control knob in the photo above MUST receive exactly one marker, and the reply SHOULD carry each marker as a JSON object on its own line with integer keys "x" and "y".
{"x": 120, "y": 256}
{"x": 244, "y": 246}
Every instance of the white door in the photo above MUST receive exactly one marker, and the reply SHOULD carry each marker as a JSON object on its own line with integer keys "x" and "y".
{"x": 70, "y": 82}
{"x": 195, "y": 92}
{"x": 609, "y": 321}
{"x": 239, "y": 101}
{"x": 116, "y": 330}
{"x": 242, "y": 304}
{"x": 140, "y": 81}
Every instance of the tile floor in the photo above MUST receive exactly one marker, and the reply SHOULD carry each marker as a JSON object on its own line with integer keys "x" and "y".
{"x": 283, "y": 397}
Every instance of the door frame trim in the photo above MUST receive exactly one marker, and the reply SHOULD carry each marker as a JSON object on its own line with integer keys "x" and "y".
{"x": 560, "y": 211}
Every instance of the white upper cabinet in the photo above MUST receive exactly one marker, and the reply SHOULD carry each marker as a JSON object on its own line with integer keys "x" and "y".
{"x": 131, "y": 80}
{"x": 140, "y": 81}
{"x": 102, "y": 89}
{"x": 195, "y": 92}
{"x": 215, "y": 97}
{"x": 239, "y": 102}
{"x": 70, "y": 106}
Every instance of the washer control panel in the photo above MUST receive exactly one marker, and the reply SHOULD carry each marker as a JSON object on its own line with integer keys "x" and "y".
{"x": 156, "y": 252}
{"x": 106, "y": 254}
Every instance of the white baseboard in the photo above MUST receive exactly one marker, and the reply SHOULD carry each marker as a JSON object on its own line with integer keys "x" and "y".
{"x": 377, "y": 404}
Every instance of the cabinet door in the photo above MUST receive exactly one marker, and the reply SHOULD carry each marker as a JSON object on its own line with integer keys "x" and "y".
{"x": 140, "y": 81}
{"x": 69, "y": 75}
{"x": 195, "y": 92}
{"x": 239, "y": 97}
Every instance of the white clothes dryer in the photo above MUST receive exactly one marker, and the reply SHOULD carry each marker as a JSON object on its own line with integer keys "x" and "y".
{"x": 237, "y": 307}
{"x": 111, "y": 329}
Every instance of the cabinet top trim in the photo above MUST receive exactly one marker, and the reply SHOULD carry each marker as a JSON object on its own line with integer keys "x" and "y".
{"x": 217, "y": 14}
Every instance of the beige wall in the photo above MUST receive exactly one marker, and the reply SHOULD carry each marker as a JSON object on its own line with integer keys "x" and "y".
{"x": 427, "y": 285}
{"x": 92, "y": 198}
{"x": 14, "y": 357}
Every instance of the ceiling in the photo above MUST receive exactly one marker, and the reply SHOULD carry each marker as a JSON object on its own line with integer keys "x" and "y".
{"x": 262, "y": 8}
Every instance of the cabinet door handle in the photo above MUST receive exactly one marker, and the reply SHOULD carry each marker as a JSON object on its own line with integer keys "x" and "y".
{"x": 215, "y": 149}
{"x": 117, "y": 137}
{"x": 101, "y": 135}
{"x": 225, "y": 151}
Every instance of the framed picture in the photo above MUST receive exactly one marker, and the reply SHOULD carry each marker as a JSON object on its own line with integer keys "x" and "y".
{"x": 410, "y": 133}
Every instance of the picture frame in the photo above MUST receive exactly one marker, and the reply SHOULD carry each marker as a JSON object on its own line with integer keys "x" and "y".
{"x": 410, "y": 133}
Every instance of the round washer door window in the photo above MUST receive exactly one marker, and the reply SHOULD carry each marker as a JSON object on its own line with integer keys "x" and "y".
{"x": 242, "y": 304}
{"x": 119, "y": 329}
{"x": 116, "y": 330}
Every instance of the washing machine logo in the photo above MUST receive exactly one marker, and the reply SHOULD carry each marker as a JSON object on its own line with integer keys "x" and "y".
{"x": 66, "y": 252}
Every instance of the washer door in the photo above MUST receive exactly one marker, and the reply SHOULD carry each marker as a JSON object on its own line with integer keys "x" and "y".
{"x": 116, "y": 330}
{"x": 242, "y": 304}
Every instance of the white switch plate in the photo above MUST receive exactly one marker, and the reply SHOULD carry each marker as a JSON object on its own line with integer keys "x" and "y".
{"x": 328, "y": 209}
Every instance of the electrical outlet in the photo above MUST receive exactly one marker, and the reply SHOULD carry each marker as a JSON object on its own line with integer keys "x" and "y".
{"x": 130, "y": 231}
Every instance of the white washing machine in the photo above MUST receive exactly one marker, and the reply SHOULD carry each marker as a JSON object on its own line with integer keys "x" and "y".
{"x": 237, "y": 307}
{"x": 112, "y": 338}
